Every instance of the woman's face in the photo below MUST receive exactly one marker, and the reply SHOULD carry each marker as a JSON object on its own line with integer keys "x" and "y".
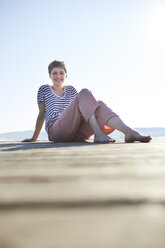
{"x": 58, "y": 76}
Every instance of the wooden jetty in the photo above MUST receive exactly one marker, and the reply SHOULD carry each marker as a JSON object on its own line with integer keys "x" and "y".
{"x": 82, "y": 195}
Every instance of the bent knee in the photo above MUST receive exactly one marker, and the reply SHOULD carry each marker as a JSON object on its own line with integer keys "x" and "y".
{"x": 101, "y": 103}
{"x": 84, "y": 92}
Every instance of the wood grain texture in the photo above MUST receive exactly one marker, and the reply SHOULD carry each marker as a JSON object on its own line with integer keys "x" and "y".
{"x": 82, "y": 195}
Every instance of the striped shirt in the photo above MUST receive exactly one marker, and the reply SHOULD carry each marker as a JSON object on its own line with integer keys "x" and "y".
{"x": 54, "y": 104}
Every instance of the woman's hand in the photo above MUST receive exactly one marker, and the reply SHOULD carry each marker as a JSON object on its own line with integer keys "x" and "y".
{"x": 39, "y": 123}
{"x": 29, "y": 140}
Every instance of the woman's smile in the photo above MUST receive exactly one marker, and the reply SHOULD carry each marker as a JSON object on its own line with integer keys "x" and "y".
{"x": 58, "y": 76}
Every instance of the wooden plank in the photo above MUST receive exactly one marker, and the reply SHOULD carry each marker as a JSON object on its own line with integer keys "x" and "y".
{"x": 82, "y": 195}
{"x": 118, "y": 227}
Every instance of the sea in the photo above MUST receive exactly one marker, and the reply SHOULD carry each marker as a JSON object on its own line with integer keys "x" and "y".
{"x": 18, "y": 136}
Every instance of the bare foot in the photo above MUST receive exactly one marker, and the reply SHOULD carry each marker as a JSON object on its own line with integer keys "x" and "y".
{"x": 103, "y": 139}
{"x": 135, "y": 136}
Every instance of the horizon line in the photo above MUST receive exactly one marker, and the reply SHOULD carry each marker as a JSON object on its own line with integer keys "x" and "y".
{"x": 32, "y": 130}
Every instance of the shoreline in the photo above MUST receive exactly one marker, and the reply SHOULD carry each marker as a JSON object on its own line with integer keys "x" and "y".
{"x": 20, "y": 135}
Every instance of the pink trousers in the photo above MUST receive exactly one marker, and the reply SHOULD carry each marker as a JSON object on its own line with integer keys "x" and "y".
{"x": 72, "y": 125}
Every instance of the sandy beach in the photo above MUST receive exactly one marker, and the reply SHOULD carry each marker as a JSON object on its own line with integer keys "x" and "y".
{"x": 80, "y": 195}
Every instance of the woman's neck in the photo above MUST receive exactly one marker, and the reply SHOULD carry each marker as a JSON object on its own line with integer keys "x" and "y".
{"x": 58, "y": 90}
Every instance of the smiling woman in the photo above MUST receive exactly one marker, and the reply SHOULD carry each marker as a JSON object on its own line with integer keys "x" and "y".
{"x": 72, "y": 116}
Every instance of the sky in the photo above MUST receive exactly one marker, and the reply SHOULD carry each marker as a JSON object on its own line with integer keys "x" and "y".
{"x": 114, "y": 48}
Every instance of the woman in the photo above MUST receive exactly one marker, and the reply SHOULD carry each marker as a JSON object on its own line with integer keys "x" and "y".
{"x": 73, "y": 117}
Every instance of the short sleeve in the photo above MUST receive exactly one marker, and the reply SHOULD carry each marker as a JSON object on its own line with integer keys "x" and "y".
{"x": 40, "y": 95}
{"x": 74, "y": 91}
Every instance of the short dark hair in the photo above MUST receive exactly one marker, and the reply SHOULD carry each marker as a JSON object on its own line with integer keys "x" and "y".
{"x": 57, "y": 63}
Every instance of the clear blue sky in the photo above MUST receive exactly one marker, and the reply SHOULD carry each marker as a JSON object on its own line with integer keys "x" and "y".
{"x": 115, "y": 48}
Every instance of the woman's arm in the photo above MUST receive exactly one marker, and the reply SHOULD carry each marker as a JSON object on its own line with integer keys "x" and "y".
{"x": 39, "y": 123}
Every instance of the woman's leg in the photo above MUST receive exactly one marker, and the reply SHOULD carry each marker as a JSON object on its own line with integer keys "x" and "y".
{"x": 99, "y": 135}
{"x": 67, "y": 126}
{"x": 96, "y": 124}
{"x": 85, "y": 108}
{"x": 131, "y": 135}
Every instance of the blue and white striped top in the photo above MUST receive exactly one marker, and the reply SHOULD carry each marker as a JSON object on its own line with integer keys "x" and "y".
{"x": 54, "y": 104}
